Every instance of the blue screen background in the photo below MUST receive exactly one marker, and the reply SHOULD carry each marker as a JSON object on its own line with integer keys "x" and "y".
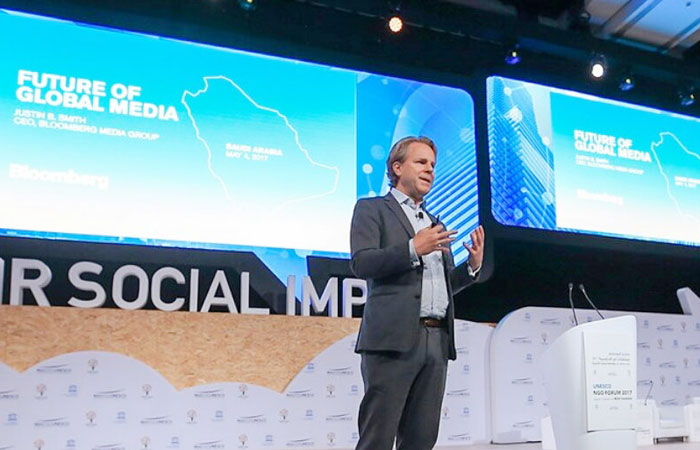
{"x": 331, "y": 128}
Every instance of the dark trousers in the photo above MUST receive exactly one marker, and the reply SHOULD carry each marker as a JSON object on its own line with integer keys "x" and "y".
{"x": 403, "y": 394}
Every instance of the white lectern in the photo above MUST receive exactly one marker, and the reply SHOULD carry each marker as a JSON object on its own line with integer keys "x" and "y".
{"x": 590, "y": 376}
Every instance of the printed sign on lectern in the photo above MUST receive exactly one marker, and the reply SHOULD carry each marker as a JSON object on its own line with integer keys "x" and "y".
{"x": 611, "y": 375}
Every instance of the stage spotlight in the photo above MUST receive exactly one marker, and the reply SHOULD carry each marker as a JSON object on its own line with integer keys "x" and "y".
{"x": 687, "y": 96}
{"x": 598, "y": 66}
{"x": 513, "y": 56}
{"x": 395, "y": 23}
{"x": 626, "y": 83}
{"x": 247, "y": 5}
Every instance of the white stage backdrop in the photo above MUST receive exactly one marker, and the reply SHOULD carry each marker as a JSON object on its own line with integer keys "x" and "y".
{"x": 106, "y": 401}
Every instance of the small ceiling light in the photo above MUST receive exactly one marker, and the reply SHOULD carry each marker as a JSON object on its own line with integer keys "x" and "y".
{"x": 395, "y": 23}
{"x": 247, "y": 5}
{"x": 598, "y": 67}
{"x": 580, "y": 19}
{"x": 513, "y": 55}
{"x": 627, "y": 83}
{"x": 687, "y": 96}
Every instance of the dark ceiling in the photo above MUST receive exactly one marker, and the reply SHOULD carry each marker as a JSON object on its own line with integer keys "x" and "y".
{"x": 450, "y": 36}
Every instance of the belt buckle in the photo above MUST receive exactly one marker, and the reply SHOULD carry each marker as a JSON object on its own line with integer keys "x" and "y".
{"x": 432, "y": 322}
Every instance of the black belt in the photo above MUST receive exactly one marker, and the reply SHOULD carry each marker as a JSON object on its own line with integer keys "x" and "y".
{"x": 432, "y": 322}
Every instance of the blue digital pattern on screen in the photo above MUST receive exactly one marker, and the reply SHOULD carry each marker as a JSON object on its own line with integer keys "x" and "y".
{"x": 521, "y": 162}
{"x": 561, "y": 160}
{"x": 391, "y": 108}
{"x": 195, "y": 146}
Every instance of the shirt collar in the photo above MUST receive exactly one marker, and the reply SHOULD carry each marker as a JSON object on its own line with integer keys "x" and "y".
{"x": 405, "y": 199}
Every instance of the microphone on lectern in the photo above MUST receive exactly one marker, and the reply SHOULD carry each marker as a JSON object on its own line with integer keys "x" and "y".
{"x": 571, "y": 302}
{"x": 580, "y": 286}
{"x": 651, "y": 385}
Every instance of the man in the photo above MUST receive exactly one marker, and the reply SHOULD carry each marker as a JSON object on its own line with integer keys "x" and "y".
{"x": 407, "y": 332}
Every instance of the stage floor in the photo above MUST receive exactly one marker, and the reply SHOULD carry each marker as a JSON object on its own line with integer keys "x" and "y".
{"x": 538, "y": 446}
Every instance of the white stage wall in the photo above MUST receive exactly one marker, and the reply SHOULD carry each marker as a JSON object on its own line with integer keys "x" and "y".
{"x": 100, "y": 400}
{"x": 104, "y": 400}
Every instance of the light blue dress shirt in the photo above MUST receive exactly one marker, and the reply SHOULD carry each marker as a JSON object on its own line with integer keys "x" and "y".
{"x": 434, "y": 300}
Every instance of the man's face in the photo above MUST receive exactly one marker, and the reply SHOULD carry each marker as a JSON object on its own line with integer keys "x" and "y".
{"x": 416, "y": 172}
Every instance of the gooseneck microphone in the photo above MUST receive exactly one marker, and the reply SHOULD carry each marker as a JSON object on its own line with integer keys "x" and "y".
{"x": 580, "y": 286}
{"x": 651, "y": 385}
{"x": 571, "y": 302}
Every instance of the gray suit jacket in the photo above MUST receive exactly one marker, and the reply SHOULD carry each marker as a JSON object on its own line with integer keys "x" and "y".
{"x": 379, "y": 237}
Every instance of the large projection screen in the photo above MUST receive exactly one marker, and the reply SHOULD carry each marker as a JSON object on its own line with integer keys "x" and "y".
{"x": 121, "y": 137}
{"x": 566, "y": 161}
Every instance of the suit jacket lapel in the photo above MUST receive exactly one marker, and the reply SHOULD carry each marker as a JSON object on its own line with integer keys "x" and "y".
{"x": 432, "y": 218}
{"x": 398, "y": 211}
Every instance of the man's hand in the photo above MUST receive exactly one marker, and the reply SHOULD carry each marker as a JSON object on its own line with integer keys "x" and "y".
{"x": 433, "y": 238}
{"x": 476, "y": 251}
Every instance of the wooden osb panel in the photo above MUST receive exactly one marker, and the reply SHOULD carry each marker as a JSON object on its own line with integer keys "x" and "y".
{"x": 186, "y": 348}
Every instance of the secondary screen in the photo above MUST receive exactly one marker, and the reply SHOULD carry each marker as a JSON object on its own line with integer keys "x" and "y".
{"x": 562, "y": 160}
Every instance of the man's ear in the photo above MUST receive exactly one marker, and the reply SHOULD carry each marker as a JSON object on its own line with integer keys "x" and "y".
{"x": 396, "y": 168}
